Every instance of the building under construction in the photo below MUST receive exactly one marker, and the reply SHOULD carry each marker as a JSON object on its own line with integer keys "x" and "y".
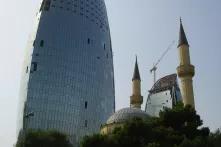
{"x": 164, "y": 93}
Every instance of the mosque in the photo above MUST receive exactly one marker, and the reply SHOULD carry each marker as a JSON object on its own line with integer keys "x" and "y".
{"x": 164, "y": 93}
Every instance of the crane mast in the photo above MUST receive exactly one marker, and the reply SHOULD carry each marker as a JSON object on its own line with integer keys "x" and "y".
{"x": 154, "y": 68}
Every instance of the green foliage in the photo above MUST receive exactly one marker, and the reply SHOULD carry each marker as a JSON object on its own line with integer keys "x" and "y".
{"x": 177, "y": 127}
{"x": 38, "y": 138}
{"x": 98, "y": 141}
{"x": 215, "y": 139}
{"x": 153, "y": 145}
{"x": 196, "y": 142}
{"x": 183, "y": 120}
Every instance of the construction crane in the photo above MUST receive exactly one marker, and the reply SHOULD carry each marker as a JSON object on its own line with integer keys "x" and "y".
{"x": 154, "y": 68}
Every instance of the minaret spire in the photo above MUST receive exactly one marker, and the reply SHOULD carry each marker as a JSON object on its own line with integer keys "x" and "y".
{"x": 185, "y": 70}
{"x": 136, "y": 75}
{"x": 182, "y": 36}
{"x": 136, "y": 99}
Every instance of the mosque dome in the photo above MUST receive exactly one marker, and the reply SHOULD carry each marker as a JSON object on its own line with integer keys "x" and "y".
{"x": 126, "y": 114}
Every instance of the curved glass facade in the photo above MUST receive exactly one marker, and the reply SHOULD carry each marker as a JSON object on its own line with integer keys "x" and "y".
{"x": 68, "y": 79}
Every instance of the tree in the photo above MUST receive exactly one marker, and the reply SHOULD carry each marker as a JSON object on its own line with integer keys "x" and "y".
{"x": 39, "y": 138}
{"x": 177, "y": 127}
{"x": 215, "y": 138}
{"x": 184, "y": 120}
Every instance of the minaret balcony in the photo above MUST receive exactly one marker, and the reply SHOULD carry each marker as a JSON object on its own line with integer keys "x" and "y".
{"x": 186, "y": 70}
{"x": 136, "y": 99}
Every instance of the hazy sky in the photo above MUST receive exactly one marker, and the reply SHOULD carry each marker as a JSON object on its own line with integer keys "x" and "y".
{"x": 142, "y": 27}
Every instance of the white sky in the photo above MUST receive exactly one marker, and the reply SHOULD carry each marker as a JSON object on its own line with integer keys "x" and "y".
{"x": 142, "y": 27}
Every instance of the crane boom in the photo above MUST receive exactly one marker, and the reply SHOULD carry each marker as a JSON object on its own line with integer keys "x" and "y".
{"x": 154, "y": 68}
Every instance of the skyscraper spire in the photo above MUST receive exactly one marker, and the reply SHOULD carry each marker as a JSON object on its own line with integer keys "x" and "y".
{"x": 136, "y": 75}
{"x": 182, "y": 36}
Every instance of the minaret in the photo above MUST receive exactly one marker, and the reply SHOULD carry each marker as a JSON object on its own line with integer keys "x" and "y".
{"x": 136, "y": 99}
{"x": 185, "y": 70}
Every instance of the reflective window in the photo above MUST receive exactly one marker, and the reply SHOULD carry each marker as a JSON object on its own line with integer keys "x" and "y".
{"x": 42, "y": 43}
{"x": 27, "y": 69}
{"x": 85, "y": 124}
{"x": 34, "y": 66}
{"x": 45, "y": 5}
{"x": 85, "y": 105}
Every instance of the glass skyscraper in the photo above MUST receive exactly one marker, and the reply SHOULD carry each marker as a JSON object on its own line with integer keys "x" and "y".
{"x": 68, "y": 80}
